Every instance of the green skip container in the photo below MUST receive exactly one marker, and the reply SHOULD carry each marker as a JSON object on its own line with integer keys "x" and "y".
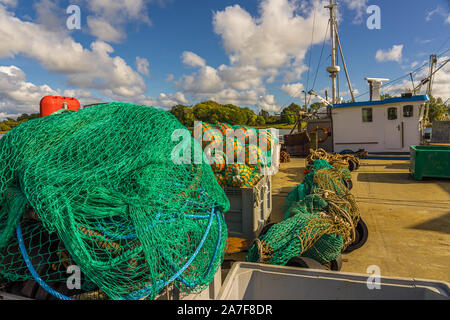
{"x": 430, "y": 161}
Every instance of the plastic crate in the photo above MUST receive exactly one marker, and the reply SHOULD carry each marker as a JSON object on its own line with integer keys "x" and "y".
{"x": 430, "y": 161}
{"x": 253, "y": 281}
{"x": 250, "y": 209}
{"x": 8, "y": 296}
{"x": 173, "y": 293}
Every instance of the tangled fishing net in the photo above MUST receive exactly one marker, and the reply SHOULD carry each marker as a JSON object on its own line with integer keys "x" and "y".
{"x": 348, "y": 161}
{"x": 319, "y": 222}
{"x": 97, "y": 188}
{"x": 242, "y": 165}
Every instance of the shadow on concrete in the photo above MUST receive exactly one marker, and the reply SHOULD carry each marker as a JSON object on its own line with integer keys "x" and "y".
{"x": 402, "y": 178}
{"x": 440, "y": 224}
{"x": 386, "y": 177}
{"x": 398, "y": 166}
{"x": 389, "y": 165}
{"x": 294, "y": 175}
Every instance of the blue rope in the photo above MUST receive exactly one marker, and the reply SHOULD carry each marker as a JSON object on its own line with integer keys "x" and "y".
{"x": 134, "y": 235}
{"x": 33, "y": 272}
{"x": 192, "y": 284}
{"x": 144, "y": 291}
{"x": 147, "y": 290}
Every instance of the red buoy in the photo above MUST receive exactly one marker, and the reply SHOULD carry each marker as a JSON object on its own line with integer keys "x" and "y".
{"x": 50, "y": 104}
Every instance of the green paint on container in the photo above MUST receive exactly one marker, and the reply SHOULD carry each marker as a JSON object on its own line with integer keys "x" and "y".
{"x": 430, "y": 161}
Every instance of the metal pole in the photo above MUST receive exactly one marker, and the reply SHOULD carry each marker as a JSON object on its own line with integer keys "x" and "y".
{"x": 333, "y": 51}
{"x": 345, "y": 66}
{"x": 412, "y": 81}
{"x": 433, "y": 61}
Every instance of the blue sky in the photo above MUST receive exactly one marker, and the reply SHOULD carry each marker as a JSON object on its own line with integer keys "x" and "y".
{"x": 252, "y": 53}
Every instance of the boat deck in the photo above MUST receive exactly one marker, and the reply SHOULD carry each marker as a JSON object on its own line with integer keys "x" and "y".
{"x": 408, "y": 220}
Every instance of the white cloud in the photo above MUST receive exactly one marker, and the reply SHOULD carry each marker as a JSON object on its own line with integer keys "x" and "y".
{"x": 274, "y": 39}
{"x": 440, "y": 82}
{"x": 103, "y": 30}
{"x": 164, "y": 100}
{"x": 359, "y": 6}
{"x": 268, "y": 103}
{"x": 57, "y": 52}
{"x": 241, "y": 77}
{"x": 205, "y": 81}
{"x": 293, "y": 90}
{"x": 18, "y": 96}
{"x": 439, "y": 11}
{"x": 192, "y": 60}
{"x": 143, "y": 66}
{"x": 170, "y": 100}
{"x": 49, "y": 15}
{"x": 393, "y": 54}
{"x": 260, "y": 49}
{"x": 170, "y": 77}
{"x": 110, "y": 17}
{"x": 431, "y": 13}
{"x": 10, "y": 3}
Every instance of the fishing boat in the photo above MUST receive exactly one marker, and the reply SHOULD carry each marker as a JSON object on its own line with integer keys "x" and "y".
{"x": 377, "y": 126}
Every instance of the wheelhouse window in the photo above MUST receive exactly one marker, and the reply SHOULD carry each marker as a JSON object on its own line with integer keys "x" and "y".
{"x": 367, "y": 114}
{"x": 408, "y": 111}
{"x": 392, "y": 113}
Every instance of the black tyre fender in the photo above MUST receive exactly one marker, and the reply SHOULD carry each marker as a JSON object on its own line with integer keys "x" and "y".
{"x": 362, "y": 234}
{"x": 304, "y": 262}
{"x": 336, "y": 265}
{"x": 348, "y": 183}
{"x": 351, "y": 165}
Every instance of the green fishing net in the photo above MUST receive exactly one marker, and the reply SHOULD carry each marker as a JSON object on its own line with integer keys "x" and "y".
{"x": 320, "y": 216}
{"x": 98, "y": 188}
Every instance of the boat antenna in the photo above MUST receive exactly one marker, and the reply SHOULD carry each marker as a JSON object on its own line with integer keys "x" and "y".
{"x": 334, "y": 69}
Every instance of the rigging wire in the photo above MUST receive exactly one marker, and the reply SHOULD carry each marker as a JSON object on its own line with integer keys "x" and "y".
{"x": 390, "y": 83}
{"x": 443, "y": 52}
{"x": 310, "y": 49}
{"x": 320, "y": 59}
{"x": 443, "y": 44}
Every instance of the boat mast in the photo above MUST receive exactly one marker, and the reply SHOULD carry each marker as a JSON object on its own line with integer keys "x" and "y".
{"x": 333, "y": 69}
{"x": 433, "y": 62}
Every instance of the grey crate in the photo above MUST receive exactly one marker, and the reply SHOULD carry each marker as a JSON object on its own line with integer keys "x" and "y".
{"x": 172, "y": 293}
{"x": 253, "y": 281}
{"x": 250, "y": 209}
{"x": 8, "y": 296}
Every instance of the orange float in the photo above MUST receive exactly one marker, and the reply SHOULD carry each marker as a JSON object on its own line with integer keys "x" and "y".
{"x": 51, "y": 104}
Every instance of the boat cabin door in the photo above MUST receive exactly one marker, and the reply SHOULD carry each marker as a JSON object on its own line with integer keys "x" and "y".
{"x": 393, "y": 129}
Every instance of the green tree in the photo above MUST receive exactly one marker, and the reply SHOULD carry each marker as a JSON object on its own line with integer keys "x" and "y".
{"x": 293, "y": 108}
{"x": 290, "y": 113}
{"x": 260, "y": 121}
{"x": 4, "y": 127}
{"x": 436, "y": 109}
{"x": 189, "y": 117}
{"x": 178, "y": 111}
{"x": 264, "y": 114}
{"x": 24, "y": 116}
{"x": 314, "y": 107}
